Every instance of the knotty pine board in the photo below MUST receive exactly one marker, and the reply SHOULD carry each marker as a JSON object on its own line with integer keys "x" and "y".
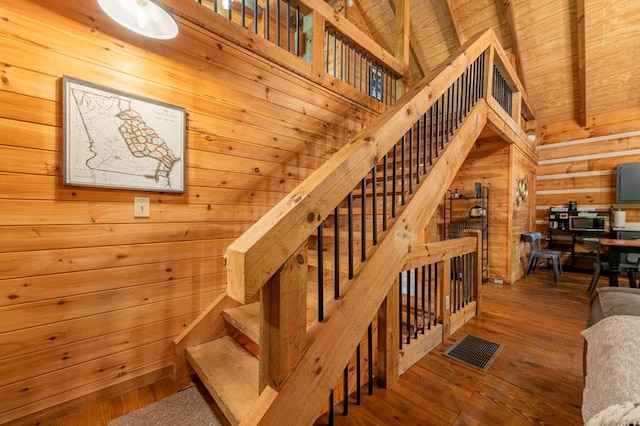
{"x": 83, "y": 270}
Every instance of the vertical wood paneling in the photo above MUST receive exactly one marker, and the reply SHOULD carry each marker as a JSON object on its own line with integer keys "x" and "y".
{"x": 523, "y": 215}
{"x": 90, "y": 297}
{"x": 488, "y": 163}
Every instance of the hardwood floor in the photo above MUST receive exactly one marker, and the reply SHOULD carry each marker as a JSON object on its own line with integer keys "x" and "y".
{"x": 536, "y": 379}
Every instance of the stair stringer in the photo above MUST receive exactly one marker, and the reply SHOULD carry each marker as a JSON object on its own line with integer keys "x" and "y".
{"x": 301, "y": 397}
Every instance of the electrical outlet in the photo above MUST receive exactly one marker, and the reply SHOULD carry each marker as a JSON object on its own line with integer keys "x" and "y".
{"x": 447, "y": 303}
{"x": 141, "y": 207}
{"x": 497, "y": 281}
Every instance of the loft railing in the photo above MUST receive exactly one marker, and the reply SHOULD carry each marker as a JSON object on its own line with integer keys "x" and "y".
{"x": 309, "y": 30}
{"x": 502, "y": 92}
{"x": 348, "y": 62}
{"x": 278, "y": 21}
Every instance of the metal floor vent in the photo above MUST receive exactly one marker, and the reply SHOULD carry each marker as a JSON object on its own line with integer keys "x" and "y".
{"x": 474, "y": 351}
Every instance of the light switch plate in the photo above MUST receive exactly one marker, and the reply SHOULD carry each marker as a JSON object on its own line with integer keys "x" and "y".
{"x": 141, "y": 207}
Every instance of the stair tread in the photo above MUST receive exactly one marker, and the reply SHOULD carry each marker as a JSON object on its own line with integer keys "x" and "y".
{"x": 329, "y": 260}
{"x": 245, "y": 318}
{"x": 229, "y": 372}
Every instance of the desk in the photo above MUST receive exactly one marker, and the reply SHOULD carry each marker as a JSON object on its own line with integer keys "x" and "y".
{"x": 615, "y": 248}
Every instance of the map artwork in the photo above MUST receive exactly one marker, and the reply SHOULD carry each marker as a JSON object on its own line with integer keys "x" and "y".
{"x": 117, "y": 140}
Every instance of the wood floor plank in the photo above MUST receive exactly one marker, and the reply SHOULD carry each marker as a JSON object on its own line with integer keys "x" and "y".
{"x": 536, "y": 379}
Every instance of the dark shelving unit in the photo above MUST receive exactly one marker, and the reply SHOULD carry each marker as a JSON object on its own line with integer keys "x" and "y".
{"x": 455, "y": 221}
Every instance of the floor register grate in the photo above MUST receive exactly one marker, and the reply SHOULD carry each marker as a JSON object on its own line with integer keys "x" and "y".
{"x": 474, "y": 352}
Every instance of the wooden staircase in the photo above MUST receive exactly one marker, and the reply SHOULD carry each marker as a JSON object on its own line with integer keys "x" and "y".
{"x": 261, "y": 349}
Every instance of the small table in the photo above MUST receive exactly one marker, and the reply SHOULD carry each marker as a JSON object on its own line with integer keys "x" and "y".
{"x": 615, "y": 248}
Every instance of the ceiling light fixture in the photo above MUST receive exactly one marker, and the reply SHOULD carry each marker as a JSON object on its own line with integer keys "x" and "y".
{"x": 531, "y": 137}
{"x": 144, "y": 17}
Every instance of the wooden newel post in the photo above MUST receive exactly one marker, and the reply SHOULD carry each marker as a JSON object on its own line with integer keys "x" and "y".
{"x": 283, "y": 309}
{"x": 477, "y": 267}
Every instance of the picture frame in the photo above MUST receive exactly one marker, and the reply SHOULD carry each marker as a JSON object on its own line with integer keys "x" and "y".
{"x": 118, "y": 140}
{"x": 376, "y": 79}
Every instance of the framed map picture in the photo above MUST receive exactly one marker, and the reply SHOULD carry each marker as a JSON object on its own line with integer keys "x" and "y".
{"x": 117, "y": 140}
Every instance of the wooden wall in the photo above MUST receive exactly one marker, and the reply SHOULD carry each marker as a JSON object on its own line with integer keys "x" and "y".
{"x": 523, "y": 166}
{"x": 499, "y": 166}
{"x": 91, "y": 298}
{"x": 578, "y": 163}
{"x": 488, "y": 163}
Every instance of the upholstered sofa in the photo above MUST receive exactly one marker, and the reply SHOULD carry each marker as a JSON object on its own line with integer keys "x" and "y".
{"x": 612, "y": 358}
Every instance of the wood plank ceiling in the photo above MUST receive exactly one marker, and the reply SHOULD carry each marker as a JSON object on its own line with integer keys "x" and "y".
{"x": 577, "y": 59}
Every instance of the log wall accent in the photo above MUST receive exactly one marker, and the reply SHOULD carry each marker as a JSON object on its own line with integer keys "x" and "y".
{"x": 90, "y": 297}
{"x": 578, "y": 163}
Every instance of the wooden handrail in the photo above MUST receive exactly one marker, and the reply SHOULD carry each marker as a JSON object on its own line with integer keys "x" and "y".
{"x": 254, "y": 257}
{"x": 430, "y": 253}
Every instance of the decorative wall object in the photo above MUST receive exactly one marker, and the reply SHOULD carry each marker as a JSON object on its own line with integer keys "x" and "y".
{"x": 376, "y": 82}
{"x": 523, "y": 190}
{"x": 116, "y": 140}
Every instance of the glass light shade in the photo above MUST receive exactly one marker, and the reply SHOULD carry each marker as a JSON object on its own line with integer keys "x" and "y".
{"x": 141, "y": 16}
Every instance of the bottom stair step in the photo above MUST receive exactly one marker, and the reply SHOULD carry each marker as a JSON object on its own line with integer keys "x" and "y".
{"x": 230, "y": 374}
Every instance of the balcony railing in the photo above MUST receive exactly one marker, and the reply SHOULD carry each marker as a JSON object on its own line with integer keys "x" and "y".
{"x": 291, "y": 25}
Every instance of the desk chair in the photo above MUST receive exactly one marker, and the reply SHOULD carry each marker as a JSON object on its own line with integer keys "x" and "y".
{"x": 533, "y": 238}
{"x": 593, "y": 246}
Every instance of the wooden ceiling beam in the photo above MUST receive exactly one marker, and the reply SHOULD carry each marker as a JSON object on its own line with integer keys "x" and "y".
{"x": 412, "y": 50}
{"x": 457, "y": 31}
{"x": 402, "y": 27}
{"x": 509, "y": 10}
{"x": 582, "y": 68}
{"x": 354, "y": 14}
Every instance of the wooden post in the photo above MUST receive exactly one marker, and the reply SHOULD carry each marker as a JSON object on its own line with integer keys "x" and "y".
{"x": 389, "y": 339}
{"x": 516, "y": 106}
{"x": 582, "y": 66}
{"x": 283, "y": 309}
{"x": 403, "y": 19}
{"x": 318, "y": 46}
{"x": 477, "y": 267}
{"x": 445, "y": 298}
{"x": 488, "y": 73}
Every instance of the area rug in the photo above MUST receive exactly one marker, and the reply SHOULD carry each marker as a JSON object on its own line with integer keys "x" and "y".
{"x": 185, "y": 408}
